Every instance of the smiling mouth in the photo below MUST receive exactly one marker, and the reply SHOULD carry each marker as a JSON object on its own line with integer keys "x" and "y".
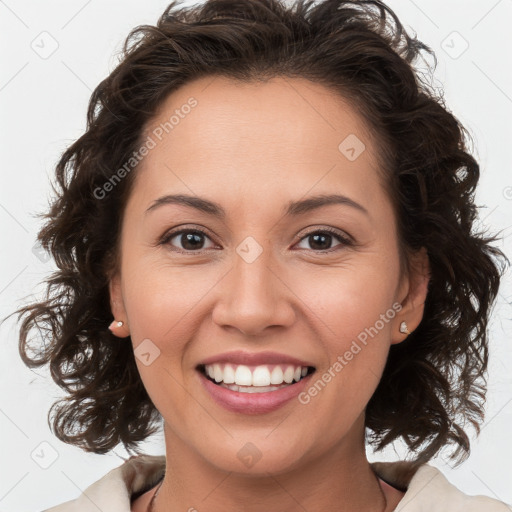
{"x": 243, "y": 388}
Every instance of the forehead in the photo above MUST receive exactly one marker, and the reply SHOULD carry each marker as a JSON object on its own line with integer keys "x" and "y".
{"x": 216, "y": 136}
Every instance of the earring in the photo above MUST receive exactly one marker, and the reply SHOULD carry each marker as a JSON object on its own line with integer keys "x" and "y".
{"x": 116, "y": 324}
{"x": 403, "y": 328}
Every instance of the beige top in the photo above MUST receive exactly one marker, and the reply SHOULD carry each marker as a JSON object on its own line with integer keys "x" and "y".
{"x": 427, "y": 488}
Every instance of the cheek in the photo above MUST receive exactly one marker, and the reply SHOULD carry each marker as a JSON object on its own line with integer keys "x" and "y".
{"x": 349, "y": 300}
{"x": 356, "y": 341}
{"x": 160, "y": 302}
{"x": 352, "y": 310}
{"x": 160, "y": 298}
{"x": 361, "y": 311}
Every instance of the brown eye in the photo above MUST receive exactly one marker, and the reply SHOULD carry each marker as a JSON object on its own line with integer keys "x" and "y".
{"x": 191, "y": 240}
{"x": 321, "y": 240}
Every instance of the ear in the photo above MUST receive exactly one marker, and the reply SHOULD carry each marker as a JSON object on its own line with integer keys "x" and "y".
{"x": 412, "y": 295}
{"x": 117, "y": 307}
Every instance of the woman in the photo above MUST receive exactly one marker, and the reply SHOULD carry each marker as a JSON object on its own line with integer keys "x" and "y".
{"x": 265, "y": 238}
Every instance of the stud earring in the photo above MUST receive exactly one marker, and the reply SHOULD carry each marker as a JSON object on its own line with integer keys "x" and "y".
{"x": 116, "y": 324}
{"x": 403, "y": 328}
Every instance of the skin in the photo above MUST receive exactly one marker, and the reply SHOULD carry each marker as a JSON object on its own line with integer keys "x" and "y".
{"x": 252, "y": 148}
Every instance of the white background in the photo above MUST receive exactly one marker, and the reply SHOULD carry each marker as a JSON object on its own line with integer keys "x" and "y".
{"x": 43, "y": 104}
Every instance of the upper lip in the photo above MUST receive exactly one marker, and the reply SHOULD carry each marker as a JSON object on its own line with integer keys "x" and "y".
{"x": 254, "y": 359}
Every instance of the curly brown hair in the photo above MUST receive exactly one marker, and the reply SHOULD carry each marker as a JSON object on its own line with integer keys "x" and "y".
{"x": 434, "y": 383}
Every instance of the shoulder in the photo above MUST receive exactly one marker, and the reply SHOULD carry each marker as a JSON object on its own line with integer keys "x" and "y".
{"x": 114, "y": 490}
{"x": 426, "y": 489}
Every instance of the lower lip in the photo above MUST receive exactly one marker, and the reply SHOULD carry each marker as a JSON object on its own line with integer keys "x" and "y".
{"x": 253, "y": 403}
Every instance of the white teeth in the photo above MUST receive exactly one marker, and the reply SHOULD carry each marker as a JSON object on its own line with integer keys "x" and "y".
{"x": 229, "y": 375}
{"x": 243, "y": 376}
{"x": 277, "y": 376}
{"x": 217, "y": 373}
{"x": 260, "y": 376}
{"x": 252, "y": 389}
{"x": 288, "y": 374}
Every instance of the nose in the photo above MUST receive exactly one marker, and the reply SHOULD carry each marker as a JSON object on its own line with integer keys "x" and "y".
{"x": 253, "y": 297}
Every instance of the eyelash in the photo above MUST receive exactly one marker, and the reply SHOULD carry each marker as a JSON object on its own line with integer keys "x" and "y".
{"x": 330, "y": 231}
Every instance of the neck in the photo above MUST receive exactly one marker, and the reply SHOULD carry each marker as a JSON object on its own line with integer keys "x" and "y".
{"x": 341, "y": 480}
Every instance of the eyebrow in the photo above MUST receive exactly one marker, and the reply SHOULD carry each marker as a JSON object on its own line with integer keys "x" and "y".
{"x": 293, "y": 208}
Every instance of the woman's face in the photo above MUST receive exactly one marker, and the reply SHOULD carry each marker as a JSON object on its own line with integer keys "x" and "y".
{"x": 265, "y": 276}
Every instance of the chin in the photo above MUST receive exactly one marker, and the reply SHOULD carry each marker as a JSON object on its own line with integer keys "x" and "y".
{"x": 258, "y": 457}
